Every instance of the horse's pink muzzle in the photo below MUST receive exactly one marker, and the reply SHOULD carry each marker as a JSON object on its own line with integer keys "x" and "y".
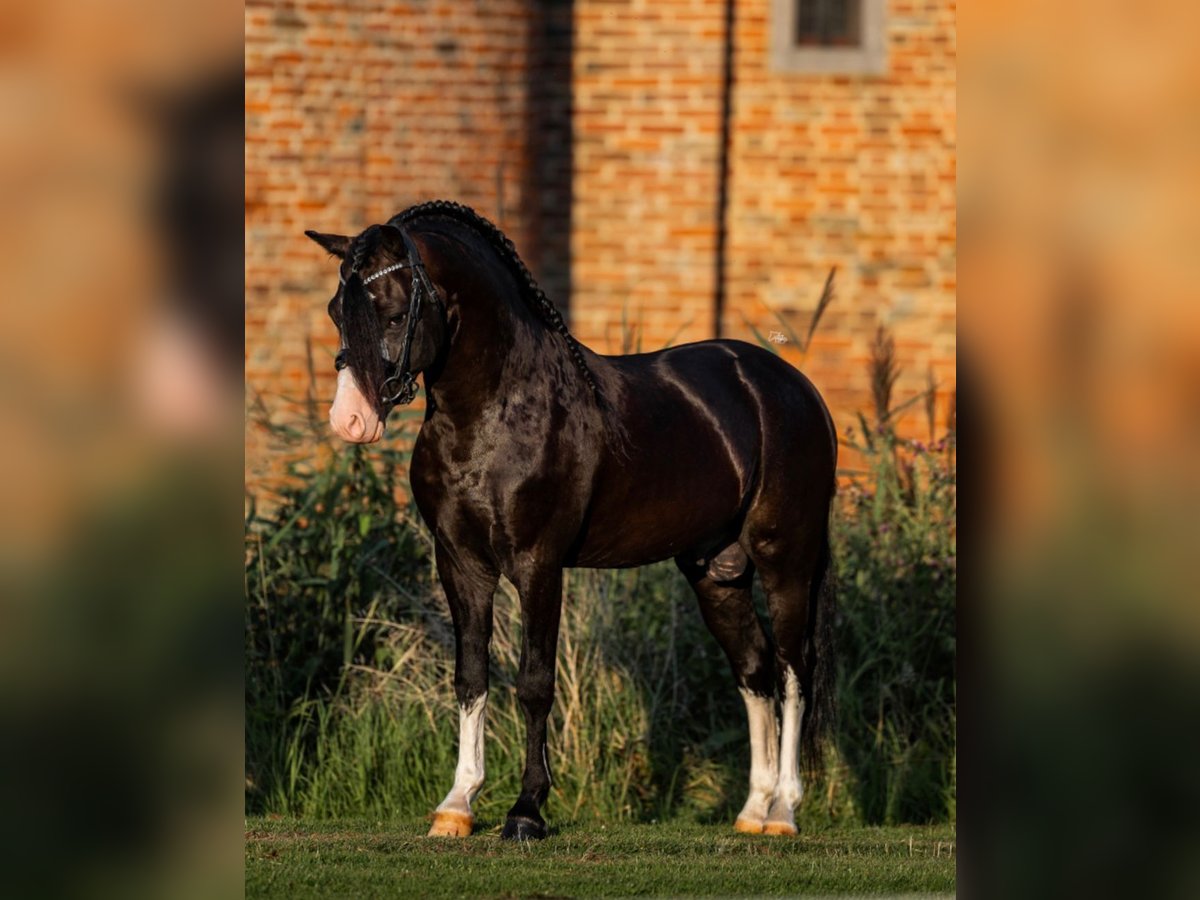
{"x": 352, "y": 417}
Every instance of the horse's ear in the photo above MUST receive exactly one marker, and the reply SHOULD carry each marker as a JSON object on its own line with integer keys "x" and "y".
{"x": 337, "y": 244}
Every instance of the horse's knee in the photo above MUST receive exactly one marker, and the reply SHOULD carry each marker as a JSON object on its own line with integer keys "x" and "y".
{"x": 471, "y": 676}
{"x": 468, "y": 690}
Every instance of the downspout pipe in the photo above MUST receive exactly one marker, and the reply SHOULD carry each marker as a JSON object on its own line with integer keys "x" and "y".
{"x": 723, "y": 171}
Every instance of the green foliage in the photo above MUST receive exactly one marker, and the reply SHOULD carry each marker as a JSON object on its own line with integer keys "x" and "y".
{"x": 895, "y": 558}
{"x": 336, "y": 556}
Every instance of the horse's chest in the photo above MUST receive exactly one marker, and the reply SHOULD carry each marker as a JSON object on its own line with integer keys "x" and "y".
{"x": 481, "y": 469}
{"x": 515, "y": 478}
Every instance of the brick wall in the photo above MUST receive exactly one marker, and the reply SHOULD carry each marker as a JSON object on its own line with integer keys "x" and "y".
{"x": 591, "y": 132}
{"x": 857, "y": 172}
{"x": 853, "y": 171}
{"x": 647, "y": 147}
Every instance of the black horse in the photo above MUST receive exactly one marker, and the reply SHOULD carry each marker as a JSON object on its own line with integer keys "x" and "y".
{"x": 537, "y": 454}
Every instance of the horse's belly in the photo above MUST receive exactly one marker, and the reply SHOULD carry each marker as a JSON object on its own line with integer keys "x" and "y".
{"x": 637, "y": 528}
{"x": 627, "y": 554}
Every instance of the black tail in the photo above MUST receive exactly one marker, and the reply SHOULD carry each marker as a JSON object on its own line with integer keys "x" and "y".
{"x": 819, "y": 678}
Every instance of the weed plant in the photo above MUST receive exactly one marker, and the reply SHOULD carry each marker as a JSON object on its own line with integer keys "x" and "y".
{"x": 895, "y": 559}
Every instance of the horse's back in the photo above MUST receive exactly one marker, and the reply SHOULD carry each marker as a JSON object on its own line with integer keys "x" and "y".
{"x": 743, "y": 385}
{"x": 696, "y": 429}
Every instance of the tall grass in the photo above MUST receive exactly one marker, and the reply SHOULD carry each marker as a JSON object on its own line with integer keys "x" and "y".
{"x": 349, "y": 660}
{"x": 895, "y": 560}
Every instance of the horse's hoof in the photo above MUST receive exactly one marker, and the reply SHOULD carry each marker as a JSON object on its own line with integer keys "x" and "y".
{"x": 448, "y": 823}
{"x": 779, "y": 828}
{"x": 520, "y": 828}
{"x": 747, "y": 826}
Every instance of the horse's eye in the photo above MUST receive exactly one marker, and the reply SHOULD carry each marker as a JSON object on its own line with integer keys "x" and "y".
{"x": 396, "y": 321}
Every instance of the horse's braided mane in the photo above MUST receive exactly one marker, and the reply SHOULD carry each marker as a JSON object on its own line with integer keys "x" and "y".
{"x": 531, "y": 293}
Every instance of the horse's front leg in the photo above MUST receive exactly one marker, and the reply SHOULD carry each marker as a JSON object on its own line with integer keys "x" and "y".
{"x": 470, "y": 586}
{"x": 540, "y": 589}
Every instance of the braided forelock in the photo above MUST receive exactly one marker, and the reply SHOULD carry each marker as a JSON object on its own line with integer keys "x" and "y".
{"x": 360, "y": 320}
{"x": 531, "y": 293}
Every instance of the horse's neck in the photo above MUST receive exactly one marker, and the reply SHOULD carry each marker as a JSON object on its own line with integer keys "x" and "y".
{"x": 493, "y": 346}
{"x": 497, "y": 342}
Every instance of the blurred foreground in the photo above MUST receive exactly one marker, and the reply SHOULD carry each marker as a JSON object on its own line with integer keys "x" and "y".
{"x": 1080, "y": 387}
{"x": 120, "y": 596}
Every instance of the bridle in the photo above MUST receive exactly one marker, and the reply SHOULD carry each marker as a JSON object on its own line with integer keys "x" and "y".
{"x": 405, "y": 380}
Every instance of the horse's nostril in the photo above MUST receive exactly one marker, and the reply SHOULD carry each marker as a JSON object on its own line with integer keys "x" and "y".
{"x": 356, "y": 426}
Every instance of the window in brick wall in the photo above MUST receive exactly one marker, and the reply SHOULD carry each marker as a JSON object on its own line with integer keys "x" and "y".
{"x": 828, "y": 36}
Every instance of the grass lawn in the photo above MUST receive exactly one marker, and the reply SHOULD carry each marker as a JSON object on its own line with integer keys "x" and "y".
{"x": 299, "y": 858}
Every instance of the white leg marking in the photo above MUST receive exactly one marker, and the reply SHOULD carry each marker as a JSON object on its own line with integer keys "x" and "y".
{"x": 764, "y": 744}
{"x": 468, "y": 777}
{"x": 789, "y": 790}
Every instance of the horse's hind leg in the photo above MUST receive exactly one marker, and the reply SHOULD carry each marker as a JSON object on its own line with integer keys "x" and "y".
{"x": 728, "y": 610}
{"x": 789, "y": 569}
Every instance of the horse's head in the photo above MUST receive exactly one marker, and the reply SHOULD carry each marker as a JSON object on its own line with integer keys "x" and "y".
{"x": 391, "y": 322}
